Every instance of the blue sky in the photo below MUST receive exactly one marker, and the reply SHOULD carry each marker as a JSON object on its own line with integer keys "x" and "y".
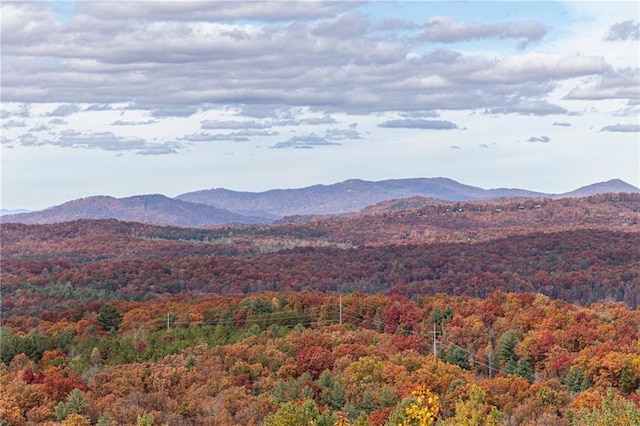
{"x": 124, "y": 98}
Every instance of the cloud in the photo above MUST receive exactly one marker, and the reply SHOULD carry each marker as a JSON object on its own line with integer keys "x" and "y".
{"x": 417, "y": 123}
{"x": 483, "y": 145}
{"x": 177, "y": 59}
{"x": 455, "y": 147}
{"x": 57, "y": 121}
{"x": 615, "y": 84}
{"x": 232, "y": 124}
{"x": 158, "y": 150}
{"x": 625, "y": 30}
{"x": 624, "y": 128}
{"x": 30, "y": 140}
{"x": 525, "y": 107}
{"x": 64, "y": 110}
{"x": 207, "y": 137}
{"x": 420, "y": 114}
{"x": 23, "y": 111}
{"x": 238, "y": 136}
{"x": 107, "y": 141}
{"x": 326, "y": 119}
{"x": 99, "y": 107}
{"x": 40, "y": 128}
{"x": 102, "y": 140}
{"x": 537, "y": 67}
{"x": 561, "y": 124}
{"x": 543, "y": 139}
{"x": 342, "y": 134}
{"x": 218, "y": 11}
{"x": 133, "y": 123}
{"x": 347, "y": 25}
{"x": 446, "y": 30}
{"x": 169, "y": 110}
{"x": 304, "y": 142}
{"x": 13, "y": 123}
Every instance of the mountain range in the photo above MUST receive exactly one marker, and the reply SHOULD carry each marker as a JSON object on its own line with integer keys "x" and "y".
{"x": 221, "y": 206}
{"x": 155, "y": 209}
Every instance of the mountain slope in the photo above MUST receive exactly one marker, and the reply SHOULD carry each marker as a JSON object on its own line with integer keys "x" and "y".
{"x": 155, "y": 209}
{"x": 353, "y": 195}
{"x": 613, "y": 186}
{"x": 348, "y": 196}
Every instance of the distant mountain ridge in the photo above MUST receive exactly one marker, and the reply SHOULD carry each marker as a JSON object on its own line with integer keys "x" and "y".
{"x": 154, "y": 209}
{"x": 223, "y": 206}
{"x": 4, "y": 212}
{"x": 354, "y": 195}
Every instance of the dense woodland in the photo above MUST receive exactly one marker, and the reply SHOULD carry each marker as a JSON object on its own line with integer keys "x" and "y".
{"x": 506, "y": 359}
{"x": 529, "y": 306}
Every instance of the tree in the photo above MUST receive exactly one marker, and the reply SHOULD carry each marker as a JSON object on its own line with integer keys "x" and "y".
{"x": 506, "y": 353}
{"x": 290, "y": 413}
{"x": 455, "y": 355}
{"x": 475, "y": 411}
{"x": 314, "y": 359}
{"x": 420, "y": 409}
{"x": 614, "y": 412}
{"x": 145, "y": 419}
{"x": 76, "y": 420}
{"x": 575, "y": 381}
{"x": 105, "y": 420}
{"x": 110, "y": 318}
{"x": 76, "y": 403}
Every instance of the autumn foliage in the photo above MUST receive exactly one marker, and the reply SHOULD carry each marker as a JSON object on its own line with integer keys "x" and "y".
{"x": 448, "y": 315}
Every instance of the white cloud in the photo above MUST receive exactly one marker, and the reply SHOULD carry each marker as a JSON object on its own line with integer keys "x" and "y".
{"x": 447, "y": 30}
{"x": 625, "y": 30}
{"x": 419, "y": 124}
{"x": 623, "y": 128}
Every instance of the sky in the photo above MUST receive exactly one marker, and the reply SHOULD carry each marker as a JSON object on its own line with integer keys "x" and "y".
{"x": 124, "y": 98}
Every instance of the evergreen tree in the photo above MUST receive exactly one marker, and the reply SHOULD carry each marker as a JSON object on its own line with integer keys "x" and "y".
{"x": 506, "y": 354}
{"x": 76, "y": 403}
{"x": 105, "y": 420}
{"x": 575, "y": 381}
{"x": 110, "y": 318}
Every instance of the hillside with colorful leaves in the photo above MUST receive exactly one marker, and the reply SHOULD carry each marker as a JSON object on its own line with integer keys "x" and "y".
{"x": 415, "y": 311}
{"x": 311, "y": 358}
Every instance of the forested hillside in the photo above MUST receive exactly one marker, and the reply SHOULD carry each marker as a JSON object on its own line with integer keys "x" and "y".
{"x": 580, "y": 266}
{"x": 530, "y": 306}
{"x": 278, "y": 358}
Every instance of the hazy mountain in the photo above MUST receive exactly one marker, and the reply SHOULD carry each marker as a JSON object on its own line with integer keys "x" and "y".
{"x": 613, "y": 186}
{"x": 224, "y": 206}
{"x": 4, "y": 212}
{"x": 353, "y": 195}
{"x": 156, "y": 209}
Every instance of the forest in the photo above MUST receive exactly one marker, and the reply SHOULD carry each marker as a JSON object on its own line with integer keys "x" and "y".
{"x": 514, "y": 312}
{"x": 297, "y": 358}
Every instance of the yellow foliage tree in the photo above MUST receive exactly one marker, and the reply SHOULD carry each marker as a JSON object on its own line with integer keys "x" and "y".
{"x": 425, "y": 409}
{"x": 76, "y": 420}
{"x": 420, "y": 409}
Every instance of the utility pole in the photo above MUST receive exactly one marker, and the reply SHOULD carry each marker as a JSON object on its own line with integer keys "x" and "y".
{"x": 434, "y": 341}
{"x": 340, "y": 308}
{"x": 167, "y": 321}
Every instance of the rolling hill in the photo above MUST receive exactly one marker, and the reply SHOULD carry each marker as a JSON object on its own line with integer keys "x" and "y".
{"x": 155, "y": 209}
